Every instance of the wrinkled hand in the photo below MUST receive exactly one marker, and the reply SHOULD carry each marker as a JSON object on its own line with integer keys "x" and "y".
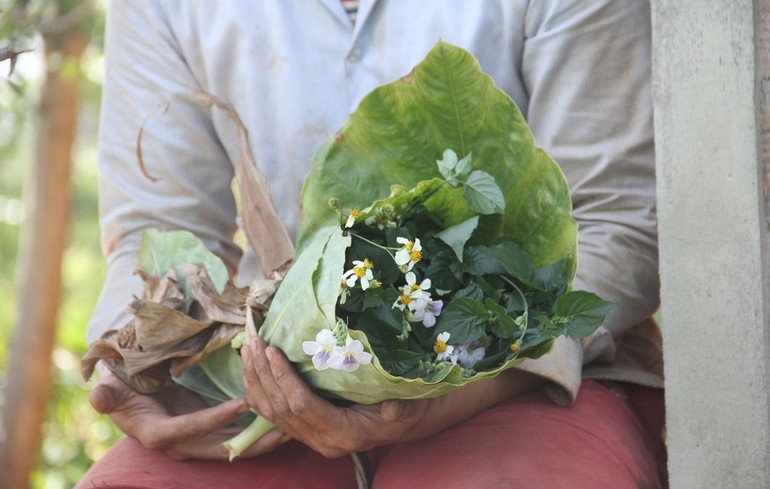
{"x": 277, "y": 392}
{"x": 176, "y": 421}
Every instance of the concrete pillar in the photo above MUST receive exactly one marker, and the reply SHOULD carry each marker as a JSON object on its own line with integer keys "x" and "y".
{"x": 712, "y": 92}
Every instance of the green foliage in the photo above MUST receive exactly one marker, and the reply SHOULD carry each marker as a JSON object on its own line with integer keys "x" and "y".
{"x": 74, "y": 434}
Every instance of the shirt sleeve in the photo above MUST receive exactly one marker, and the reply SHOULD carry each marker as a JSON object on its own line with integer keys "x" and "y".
{"x": 191, "y": 185}
{"x": 586, "y": 68}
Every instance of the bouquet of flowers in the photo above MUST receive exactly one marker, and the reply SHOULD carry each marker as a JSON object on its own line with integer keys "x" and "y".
{"x": 436, "y": 248}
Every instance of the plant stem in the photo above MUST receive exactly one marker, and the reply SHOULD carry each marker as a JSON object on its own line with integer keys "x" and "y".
{"x": 524, "y": 300}
{"x": 356, "y": 235}
{"x": 243, "y": 440}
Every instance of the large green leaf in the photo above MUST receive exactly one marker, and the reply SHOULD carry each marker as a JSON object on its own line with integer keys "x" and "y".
{"x": 401, "y": 129}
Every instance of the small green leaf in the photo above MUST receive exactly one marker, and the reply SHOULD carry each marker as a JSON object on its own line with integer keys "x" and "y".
{"x": 447, "y": 165}
{"x": 464, "y": 319}
{"x": 451, "y": 169}
{"x": 456, "y": 236}
{"x": 553, "y": 277}
{"x": 503, "y": 325}
{"x": 444, "y": 270}
{"x": 472, "y": 291}
{"x": 583, "y": 312}
{"x": 482, "y": 193}
{"x": 514, "y": 260}
{"x": 478, "y": 261}
{"x": 398, "y": 362}
{"x": 463, "y": 168}
{"x": 383, "y": 315}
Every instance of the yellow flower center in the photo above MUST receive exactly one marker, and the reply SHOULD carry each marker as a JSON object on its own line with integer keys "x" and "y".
{"x": 409, "y": 245}
{"x": 406, "y": 299}
{"x": 515, "y": 347}
{"x": 368, "y": 264}
{"x": 415, "y": 256}
{"x": 359, "y": 271}
{"x": 440, "y": 346}
{"x": 355, "y": 213}
{"x": 415, "y": 287}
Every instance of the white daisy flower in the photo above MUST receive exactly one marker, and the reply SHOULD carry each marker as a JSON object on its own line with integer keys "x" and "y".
{"x": 362, "y": 270}
{"x": 409, "y": 254}
{"x": 442, "y": 349}
{"x": 412, "y": 291}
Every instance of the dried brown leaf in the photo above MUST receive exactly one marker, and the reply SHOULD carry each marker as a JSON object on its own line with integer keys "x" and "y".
{"x": 261, "y": 293}
{"x": 263, "y": 227}
{"x": 226, "y": 307}
{"x": 158, "y": 327}
{"x": 165, "y": 290}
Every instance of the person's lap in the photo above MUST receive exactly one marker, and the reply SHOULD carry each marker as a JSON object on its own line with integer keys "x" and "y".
{"x": 527, "y": 442}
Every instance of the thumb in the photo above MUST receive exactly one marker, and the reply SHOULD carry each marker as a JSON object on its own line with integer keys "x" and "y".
{"x": 103, "y": 398}
{"x": 395, "y": 410}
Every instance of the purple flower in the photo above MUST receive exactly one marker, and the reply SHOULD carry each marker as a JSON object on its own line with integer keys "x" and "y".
{"x": 426, "y": 310}
{"x": 349, "y": 357}
{"x": 468, "y": 355}
{"x": 321, "y": 349}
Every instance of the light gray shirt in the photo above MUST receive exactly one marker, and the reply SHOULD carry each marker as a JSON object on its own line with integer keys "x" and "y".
{"x": 294, "y": 70}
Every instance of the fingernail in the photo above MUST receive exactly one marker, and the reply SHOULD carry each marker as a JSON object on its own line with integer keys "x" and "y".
{"x": 243, "y": 407}
{"x": 270, "y": 352}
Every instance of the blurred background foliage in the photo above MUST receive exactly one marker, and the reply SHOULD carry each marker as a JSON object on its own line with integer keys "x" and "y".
{"x": 73, "y": 434}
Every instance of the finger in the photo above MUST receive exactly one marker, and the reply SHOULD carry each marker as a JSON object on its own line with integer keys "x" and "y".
{"x": 331, "y": 431}
{"x": 160, "y": 431}
{"x": 299, "y": 400}
{"x": 253, "y": 387}
{"x": 108, "y": 394}
{"x": 103, "y": 398}
{"x": 255, "y": 367}
{"x": 297, "y": 411}
{"x": 402, "y": 411}
{"x": 273, "y": 403}
{"x": 211, "y": 446}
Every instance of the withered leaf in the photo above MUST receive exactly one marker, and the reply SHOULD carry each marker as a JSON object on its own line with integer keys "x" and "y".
{"x": 226, "y": 307}
{"x": 261, "y": 293}
{"x": 165, "y": 290}
{"x": 158, "y": 326}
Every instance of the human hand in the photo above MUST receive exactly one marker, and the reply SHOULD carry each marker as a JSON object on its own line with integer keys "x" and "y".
{"x": 175, "y": 420}
{"x": 277, "y": 392}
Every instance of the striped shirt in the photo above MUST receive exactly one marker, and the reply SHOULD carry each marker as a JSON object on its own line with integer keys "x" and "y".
{"x": 351, "y": 7}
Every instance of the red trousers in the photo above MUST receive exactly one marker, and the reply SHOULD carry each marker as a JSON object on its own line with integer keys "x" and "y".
{"x": 605, "y": 440}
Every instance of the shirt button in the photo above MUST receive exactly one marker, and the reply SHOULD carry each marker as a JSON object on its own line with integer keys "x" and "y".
{"x": 355, "y": 55}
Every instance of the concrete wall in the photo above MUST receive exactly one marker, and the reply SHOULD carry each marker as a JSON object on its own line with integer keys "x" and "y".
{"x": 711, "y": 89}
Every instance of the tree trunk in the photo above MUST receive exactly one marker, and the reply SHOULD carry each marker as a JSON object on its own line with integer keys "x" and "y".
{"x": 40, "y": 257}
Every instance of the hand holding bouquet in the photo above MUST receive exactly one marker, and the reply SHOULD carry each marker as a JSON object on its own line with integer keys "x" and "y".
{"x": 436, "y": 248}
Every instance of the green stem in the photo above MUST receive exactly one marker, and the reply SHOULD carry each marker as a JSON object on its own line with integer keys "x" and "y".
{"x": 243, "y": 440}
{"x": 524, "y": 300}
{"x": 355, "y": 235}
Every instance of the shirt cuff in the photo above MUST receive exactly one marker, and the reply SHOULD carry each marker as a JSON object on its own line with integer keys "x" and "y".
{"x": 562, "y": 367}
